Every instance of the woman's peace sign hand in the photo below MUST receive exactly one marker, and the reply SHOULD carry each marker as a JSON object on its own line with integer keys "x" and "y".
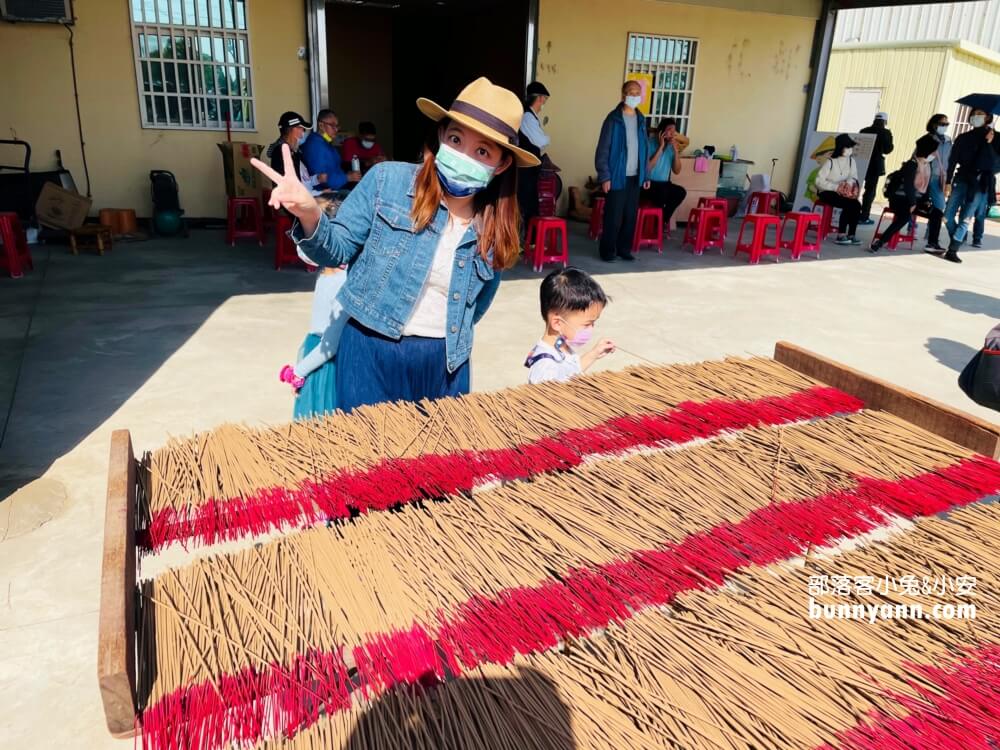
{"x": 289, "y": 193}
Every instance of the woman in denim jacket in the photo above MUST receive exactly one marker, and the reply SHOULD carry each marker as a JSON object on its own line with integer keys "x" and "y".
{"x": 425, "y": 244}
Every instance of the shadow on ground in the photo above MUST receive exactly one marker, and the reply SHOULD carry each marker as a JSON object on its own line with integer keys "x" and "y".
{"x": 971, "y": 302}
{"x": 80, "y": 334}
{"x": 951, "y": 354}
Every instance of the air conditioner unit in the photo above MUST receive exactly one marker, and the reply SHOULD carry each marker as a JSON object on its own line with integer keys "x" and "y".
{"x": 37, "y": 11}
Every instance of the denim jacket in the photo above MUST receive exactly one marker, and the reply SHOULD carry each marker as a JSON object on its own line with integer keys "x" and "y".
{"x": 389, "y": 262}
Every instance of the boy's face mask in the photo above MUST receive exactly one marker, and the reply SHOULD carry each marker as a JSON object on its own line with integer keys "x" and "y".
{"x": 977, "y": 121}
{"x": 367, "y": 143}
{"x": 633, "y": 101}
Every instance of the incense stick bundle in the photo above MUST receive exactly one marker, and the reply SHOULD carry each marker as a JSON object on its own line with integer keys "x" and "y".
{"x": 193, "y": 487}
{"x": 444, "y": 589}
{"x": 734, "y": 668}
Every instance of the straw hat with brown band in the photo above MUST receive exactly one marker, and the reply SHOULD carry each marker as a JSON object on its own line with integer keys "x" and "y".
{"x": 490, "y": 110}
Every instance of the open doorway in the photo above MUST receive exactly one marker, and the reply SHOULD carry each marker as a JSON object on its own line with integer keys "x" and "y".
{"x": 381, "y": 56}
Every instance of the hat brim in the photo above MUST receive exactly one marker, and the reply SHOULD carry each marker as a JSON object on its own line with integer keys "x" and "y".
{"x": 437, "y": 113}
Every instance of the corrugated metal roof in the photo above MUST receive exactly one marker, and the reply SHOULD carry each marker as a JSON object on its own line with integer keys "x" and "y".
{"x": 977, "y": 22}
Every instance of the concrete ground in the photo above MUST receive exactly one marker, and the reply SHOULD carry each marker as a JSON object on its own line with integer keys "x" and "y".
{"x": 170, "y": 336}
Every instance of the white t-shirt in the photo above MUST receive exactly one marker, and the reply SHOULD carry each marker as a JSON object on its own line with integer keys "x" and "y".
{"x": 545, "y": 362}
{"x": 430, "y": 314}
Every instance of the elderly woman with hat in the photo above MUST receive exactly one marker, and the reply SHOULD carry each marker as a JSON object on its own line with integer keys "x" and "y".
{"x": 837, "y": 184}
{"x": 425, "y": 244}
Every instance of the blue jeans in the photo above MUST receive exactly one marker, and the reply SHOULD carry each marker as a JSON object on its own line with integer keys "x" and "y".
{"x": 979, "y": 223}
{"x": 372, "y": 368}
{"x": 964, "y": 202}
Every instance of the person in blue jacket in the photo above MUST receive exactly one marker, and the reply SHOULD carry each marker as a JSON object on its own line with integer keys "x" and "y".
{"x": 322, "y": 157}
{"x": 620, "y": 160}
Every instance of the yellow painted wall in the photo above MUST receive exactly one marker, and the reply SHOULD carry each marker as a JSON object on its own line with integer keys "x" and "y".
{"x": 970, "y": 70}
{"x": 36, "y": 103}
{"x": 749, "y": 78}
{"x": 910, "y": 78}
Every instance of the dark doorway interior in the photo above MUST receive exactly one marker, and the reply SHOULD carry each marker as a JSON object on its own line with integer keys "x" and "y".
{"x": 381, "y": 59}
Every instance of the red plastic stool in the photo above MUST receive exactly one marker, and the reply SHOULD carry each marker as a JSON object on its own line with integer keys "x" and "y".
{"x": 826, "y": 222}
{"x": 648, "y": 229}
{"x": 908, "y": 235}
{"x": 546, "y": 242}
{"x": 705, "y": 229}
{"x": 758, "y": 246}
{"x": 243, "y": 220}
{"x": 285, "y": 253}
{"x": 798, "y": 244}
{"x": 718, "y": 203}
{"x": 764, "y": 203}
{"x": 596, "y": 219}
{"x": 16, "y": 254}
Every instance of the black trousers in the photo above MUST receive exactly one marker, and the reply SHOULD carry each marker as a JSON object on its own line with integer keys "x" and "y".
{"x": 850, "y": 211}
{"x": 527, "y": 193}
{"x": 868, "y": 197}
{"x": 900, "y": 218}
{"x": 934, "y": 225}
{"x": 666, "y": 196}
{"x": 620, "y": 207}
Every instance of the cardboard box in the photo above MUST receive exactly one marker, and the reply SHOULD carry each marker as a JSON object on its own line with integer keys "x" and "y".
{"x": 242, "y": 180}
{"x": 61, "y": 208}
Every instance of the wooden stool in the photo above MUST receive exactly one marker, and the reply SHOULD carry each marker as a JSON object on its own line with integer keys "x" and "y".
{"x": 90, "y": 235}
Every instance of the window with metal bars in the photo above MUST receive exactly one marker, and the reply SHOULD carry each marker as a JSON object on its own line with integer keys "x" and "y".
{"x": 192, "y": 64}
{"x": 667, "y": 63}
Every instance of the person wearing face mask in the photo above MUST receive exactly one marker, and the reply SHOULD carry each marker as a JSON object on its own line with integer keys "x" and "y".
{"x": 970, "y": 173}
{"x": 572, "y": 302}
{"x": 621, "y": 160}
{"x": 365, "y": 146}
{"x": 837, "y": 183}
{"x": 876, "y": 164}
{"x": 293, "y": 130}
{"x": 938, "y": 126}
{"x": 534, "y": 139}
{"x": 425, "y": 246}
{"x": 321, "y": 156}
{"x": 907, "y": 187}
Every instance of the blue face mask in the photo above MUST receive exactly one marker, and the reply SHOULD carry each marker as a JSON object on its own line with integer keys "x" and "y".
{"x": 302, "y": 138}
{"x": 459, "y": 174}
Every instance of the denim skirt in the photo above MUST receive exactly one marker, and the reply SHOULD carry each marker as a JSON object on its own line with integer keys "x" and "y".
{"x": 372, "y": 368}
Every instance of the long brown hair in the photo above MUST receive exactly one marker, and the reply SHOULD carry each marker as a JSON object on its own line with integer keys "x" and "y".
{"x": 496, "y": 212}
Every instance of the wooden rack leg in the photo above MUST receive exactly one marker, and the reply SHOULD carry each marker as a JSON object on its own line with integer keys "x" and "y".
{"x": 116, "y": 636}
{"x": 952, "y": 424}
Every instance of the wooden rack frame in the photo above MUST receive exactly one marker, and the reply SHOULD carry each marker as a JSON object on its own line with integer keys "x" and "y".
{"x": 116, "y": 661}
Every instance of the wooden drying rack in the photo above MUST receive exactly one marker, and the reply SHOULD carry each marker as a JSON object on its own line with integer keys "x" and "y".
{"x": 116, "y": 649}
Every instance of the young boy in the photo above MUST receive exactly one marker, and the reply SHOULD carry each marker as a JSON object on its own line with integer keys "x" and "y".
{"x": 571, "y": 304}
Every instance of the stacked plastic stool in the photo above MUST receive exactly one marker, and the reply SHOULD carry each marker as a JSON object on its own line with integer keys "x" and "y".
{"x": 705, "y": 229}
{"x": 243, "y": 220}
{"x": 546, "y": 242}
{"x": 648, "y": 229}
{"x": 285, "y": 252}
{"x": 596, "y": 219}
{"x": 798, "y": 243}
{"x": 758, "y": 246}
{"x": 16, "y": 256}
{"x": 547, "y": 187}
